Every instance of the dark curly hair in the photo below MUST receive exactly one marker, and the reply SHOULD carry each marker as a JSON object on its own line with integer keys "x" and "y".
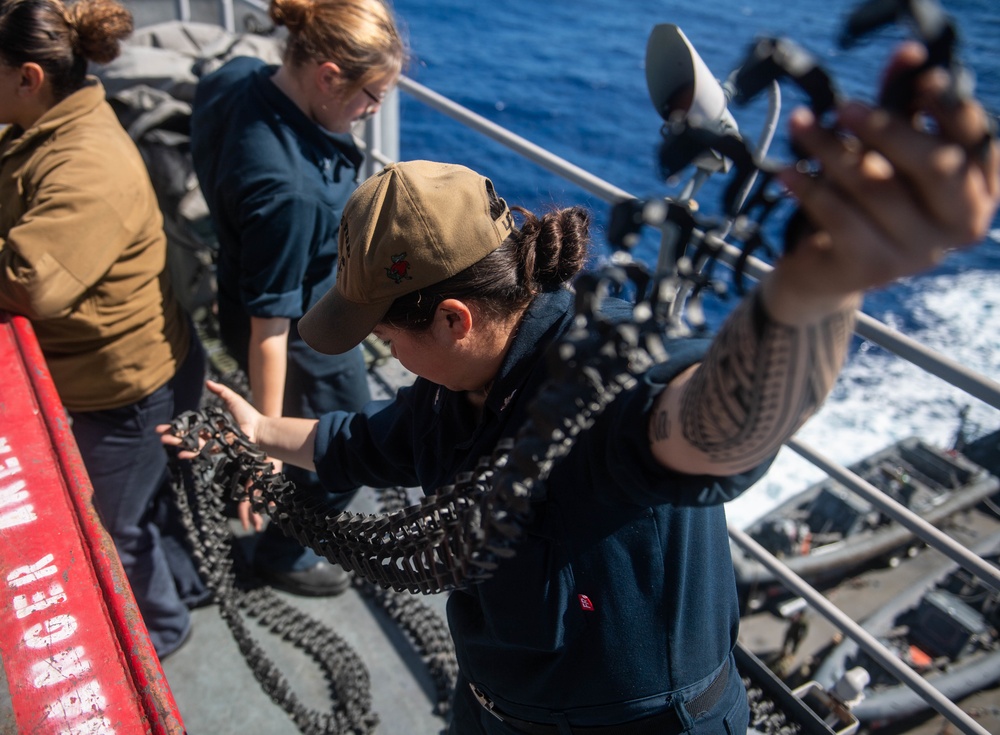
{"x": 62, "y": 38}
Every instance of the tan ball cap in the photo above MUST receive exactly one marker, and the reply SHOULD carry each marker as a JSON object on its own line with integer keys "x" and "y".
{"x": 409, "y": 226}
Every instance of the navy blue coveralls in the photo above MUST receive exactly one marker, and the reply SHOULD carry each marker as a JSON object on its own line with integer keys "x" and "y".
{"x": 276, "y": 184}
{"x": 620, "y": 604}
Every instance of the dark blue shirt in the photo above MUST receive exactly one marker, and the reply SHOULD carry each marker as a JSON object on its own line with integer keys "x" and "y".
{"x": 276, "y": 184}
{"x": 623, "y": 590}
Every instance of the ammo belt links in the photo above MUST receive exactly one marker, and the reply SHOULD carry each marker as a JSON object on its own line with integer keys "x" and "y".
{"x": 450, "y": 539}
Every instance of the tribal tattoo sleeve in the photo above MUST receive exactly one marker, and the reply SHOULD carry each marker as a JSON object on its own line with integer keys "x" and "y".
{"x": 760, "y": 381}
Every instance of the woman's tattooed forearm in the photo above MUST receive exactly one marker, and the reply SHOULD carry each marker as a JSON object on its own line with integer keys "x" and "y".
{"x": 760, "y": 381}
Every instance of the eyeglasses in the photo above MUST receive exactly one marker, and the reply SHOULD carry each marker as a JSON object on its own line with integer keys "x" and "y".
{"x": 376, "y": 100}
{"x": 372, "y": 108}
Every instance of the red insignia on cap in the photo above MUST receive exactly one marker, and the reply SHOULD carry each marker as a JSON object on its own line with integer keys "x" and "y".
{"x": 399, "y": 269}
{"x": 585, "y": 603}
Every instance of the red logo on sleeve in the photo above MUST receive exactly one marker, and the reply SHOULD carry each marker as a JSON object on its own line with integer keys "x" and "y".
{"x": 585, "y": 603}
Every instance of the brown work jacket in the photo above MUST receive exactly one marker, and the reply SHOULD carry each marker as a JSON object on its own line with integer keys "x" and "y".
{"x": 83, "y": 252}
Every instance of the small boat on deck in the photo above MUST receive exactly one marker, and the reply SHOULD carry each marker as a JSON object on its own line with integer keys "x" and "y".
{"x": 827, "y": 532}
{"x": 945, "y": 627}
{"x": 984, "y": 451}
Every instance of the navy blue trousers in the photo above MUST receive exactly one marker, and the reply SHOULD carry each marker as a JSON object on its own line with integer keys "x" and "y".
{"x": 729, "y": 716}
{"x": 314, "y": 385}
{"x": 127, "y": 465}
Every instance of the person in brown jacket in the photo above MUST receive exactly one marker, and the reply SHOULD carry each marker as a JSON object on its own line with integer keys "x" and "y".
{"x": 82, "y": 255}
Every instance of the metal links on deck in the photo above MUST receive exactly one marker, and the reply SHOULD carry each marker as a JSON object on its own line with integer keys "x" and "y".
{"x": 453, "y": 538}
{"x": 214, "y": 546}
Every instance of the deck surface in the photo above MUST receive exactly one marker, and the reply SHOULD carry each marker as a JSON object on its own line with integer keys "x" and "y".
{"x": 217, "y": 693}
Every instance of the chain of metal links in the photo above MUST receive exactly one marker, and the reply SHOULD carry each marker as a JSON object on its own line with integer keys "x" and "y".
{"x": 459, "y": 534}
{"x": 214, "y": 549}
{"x": 453, "y": 538}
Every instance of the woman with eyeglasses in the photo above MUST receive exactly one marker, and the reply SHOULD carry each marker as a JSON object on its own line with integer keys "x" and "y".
{"x": 274, "y": 155}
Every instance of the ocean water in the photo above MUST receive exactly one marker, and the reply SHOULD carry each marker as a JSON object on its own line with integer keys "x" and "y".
{"x": 569, "y": 76}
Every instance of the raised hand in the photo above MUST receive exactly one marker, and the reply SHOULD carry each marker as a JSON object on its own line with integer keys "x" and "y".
{"x": 897, "y": 192}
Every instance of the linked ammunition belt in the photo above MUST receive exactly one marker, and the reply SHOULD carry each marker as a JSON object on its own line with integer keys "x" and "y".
{"x": 458, "y": 535}
{"x": 767, "y": 717}
{"x": 453, "y": 538}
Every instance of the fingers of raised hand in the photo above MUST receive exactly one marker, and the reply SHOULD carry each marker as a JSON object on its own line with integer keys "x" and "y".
{"x": 945, "y": 95}
{"x": 951, "y": 167}
{"x": 907, "y": 192}
{"x": 866, "y": 214}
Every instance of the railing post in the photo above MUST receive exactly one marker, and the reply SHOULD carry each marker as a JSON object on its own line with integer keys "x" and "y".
{"x": 381, "y": 136}
{"x": 228, "y": 15}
